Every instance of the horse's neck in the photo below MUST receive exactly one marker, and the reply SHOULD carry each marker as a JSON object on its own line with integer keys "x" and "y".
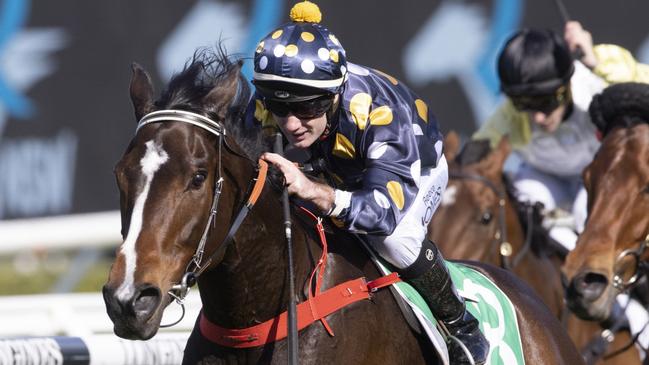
{"x": 250, "y": 285}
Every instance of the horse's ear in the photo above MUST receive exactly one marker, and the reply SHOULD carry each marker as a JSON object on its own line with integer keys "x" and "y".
{"x": 502, "y": 151}
{"x": 220, "y": 97}
{"x": 451, "y": 145}
{"x": 141, "y": 91}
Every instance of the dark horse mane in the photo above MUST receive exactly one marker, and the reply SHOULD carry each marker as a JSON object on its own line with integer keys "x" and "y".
{"x": 475, "y": 151}
{"x": 207, "y": 68}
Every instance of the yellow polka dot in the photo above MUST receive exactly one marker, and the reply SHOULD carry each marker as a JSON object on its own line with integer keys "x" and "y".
{"x": 333, "y": 54}
{"x": 390, "y": 78}
{"x": 277, "y": 34}
{"x": 396, "y": 193}
{"x": 343, "y": 148}
{"x": 422, "y": 109}
{"x": 263, "y": 115}
{"x": 359, "y": 106}
{"x": 381, "y": 116}
{"x": 291, "y": 50}
{"x": 307, "y": 37}
{"x": 260, "y": 47}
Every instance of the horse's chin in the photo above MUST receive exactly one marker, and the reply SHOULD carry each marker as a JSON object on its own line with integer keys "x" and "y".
{"x": 133, "y": 329}
{"x": 598, "y": 310}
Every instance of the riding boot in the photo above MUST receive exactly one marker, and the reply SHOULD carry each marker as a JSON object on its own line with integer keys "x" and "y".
{"x": 430, "y": 277}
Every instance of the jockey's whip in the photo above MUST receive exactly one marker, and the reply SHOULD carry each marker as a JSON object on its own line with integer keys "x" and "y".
{"x": 292, "y": 319}
{"x": 578, "y": 53}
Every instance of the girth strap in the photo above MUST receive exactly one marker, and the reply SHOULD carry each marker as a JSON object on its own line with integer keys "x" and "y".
{"x": 327, "y": 302}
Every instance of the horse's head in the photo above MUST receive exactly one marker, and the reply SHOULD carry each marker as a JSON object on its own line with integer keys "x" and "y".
{"x": 606, "y": 258}
{"x": 475, "y": 186}
{"x": 167, "y": 179}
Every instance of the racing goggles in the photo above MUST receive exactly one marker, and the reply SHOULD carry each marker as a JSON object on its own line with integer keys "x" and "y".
{"x": 545, "y": 104}
{"x": 307, "y": 109}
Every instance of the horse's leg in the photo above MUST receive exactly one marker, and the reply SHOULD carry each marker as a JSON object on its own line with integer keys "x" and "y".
{"x": 545, "y": 341}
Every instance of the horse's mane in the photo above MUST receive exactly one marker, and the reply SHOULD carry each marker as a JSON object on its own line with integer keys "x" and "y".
{"x": 620, "y": 105}
{"x": 207, "y": 68}
{"x": 475, "y": 151}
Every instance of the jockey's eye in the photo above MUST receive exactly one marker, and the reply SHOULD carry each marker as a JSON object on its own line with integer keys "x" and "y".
{"x": 199, "y": 178}
{"x": 486, "y": 217}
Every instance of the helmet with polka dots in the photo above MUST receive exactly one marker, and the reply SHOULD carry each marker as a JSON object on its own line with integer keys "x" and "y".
{"x": 300, "y": 60}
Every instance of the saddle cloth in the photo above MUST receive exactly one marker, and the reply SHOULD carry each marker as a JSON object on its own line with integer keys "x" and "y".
{"x": 484, "y": 300}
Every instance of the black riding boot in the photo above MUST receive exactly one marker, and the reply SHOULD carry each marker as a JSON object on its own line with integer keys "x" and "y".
{"x": 430, "y": 277}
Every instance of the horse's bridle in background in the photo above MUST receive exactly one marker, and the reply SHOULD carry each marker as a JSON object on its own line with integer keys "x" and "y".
{"x": 197, "y": 266}
{"x": 505, "y": 248}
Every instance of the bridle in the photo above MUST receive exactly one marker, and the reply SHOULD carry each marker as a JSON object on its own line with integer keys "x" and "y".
{"x": 197, "y": 265}
{"x": 618, "y": 281}
{"x": 505, "y": 248}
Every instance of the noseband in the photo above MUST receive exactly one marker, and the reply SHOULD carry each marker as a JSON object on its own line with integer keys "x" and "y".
{"x": 197, "y": 266}
{"x": 618, "y": 281}
{"x": 505, "y": 248}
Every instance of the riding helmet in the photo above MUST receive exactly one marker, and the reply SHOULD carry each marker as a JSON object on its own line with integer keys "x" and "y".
{"x": 534, "y": 62}
{"x": 300, "y": 60}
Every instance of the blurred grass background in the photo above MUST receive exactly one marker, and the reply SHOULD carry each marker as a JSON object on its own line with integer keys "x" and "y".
{"x": 43, "y": 272}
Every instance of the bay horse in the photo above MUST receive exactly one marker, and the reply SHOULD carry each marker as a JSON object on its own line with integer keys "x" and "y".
{"x": 611, "y": 254}
{"x": 181, "y": 189}
{"x": 480, "y": 218}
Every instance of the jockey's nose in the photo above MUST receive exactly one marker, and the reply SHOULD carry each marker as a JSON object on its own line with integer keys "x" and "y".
{"x": 539, "y": 117}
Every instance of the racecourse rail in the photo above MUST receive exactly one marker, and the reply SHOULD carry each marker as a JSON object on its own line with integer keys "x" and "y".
{"x": 74, "y": 329}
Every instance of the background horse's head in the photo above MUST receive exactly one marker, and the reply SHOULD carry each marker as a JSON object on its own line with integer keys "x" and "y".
{"x": 470, "y": 211}
{"x": 166, "y": 179}
{"x": 617, "y": 182}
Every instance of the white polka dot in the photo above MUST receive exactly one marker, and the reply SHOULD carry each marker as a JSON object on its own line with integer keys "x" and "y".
{"x": 343, "y": 70}
{"x": 358, "y": 70}
{"x": 263, "y": 62}
{"x": 279, "y": 50}
{"x": 307, "y": 66}
{"x": 438, "y": 149}
{"x": 415, "y": 171}
{"x": 377, "y": 149}
{"x": 323, "y": 54}
{"x": 449, "y": 196}
{"x": 417, "y": 129}
{"x": 381, "y": 200}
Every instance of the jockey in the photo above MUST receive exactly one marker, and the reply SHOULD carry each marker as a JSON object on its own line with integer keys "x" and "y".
{"x": 381, "y": 150}
{"x": 546, "y": 116}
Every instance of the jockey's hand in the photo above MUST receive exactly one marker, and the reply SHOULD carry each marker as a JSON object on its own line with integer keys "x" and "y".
{"x": 577, "y": 37}
{"x": 298, "y": 184}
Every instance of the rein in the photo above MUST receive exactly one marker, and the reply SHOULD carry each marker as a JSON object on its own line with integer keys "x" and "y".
{"x": 505, "y": 247}
{"x": 197, "y": 265}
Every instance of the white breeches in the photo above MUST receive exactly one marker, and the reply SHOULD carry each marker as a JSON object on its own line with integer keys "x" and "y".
{"x": 554, "y": 192}
{"x": 402, "y": 247}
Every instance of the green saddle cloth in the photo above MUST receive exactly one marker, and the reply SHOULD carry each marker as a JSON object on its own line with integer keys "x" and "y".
{"x": 489, "y": 305}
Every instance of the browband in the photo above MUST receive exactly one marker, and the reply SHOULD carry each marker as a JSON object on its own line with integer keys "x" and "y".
{"x": 182, "y": 116}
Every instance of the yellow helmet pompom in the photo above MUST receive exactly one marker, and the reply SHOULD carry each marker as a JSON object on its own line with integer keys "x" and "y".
{"x": 306, "y": 11}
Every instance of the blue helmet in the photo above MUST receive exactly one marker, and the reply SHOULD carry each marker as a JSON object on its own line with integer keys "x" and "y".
{"x": 300, "y": 60}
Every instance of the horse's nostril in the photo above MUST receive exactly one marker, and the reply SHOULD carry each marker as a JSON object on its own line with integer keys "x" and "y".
{"x": 146, "y": 301}
{"x": 591, "y": 285}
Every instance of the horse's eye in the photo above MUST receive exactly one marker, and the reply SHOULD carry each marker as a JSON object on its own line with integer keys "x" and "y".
{"x": 486, "y": 217}
{"x": 646, "y": 189}
{"x": 199, "y": 178}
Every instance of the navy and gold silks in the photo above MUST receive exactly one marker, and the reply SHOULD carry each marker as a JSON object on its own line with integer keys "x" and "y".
{"x": 380, "y": 139}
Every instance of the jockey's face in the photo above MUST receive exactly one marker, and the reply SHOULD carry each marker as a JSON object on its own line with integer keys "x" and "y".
{"x": 550, "y": 121}
{"x": 302, "y": 132}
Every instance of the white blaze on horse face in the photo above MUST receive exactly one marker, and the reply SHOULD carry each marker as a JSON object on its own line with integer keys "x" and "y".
{"x": 153, "y": 158}
{"x": 449, "y": 196}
